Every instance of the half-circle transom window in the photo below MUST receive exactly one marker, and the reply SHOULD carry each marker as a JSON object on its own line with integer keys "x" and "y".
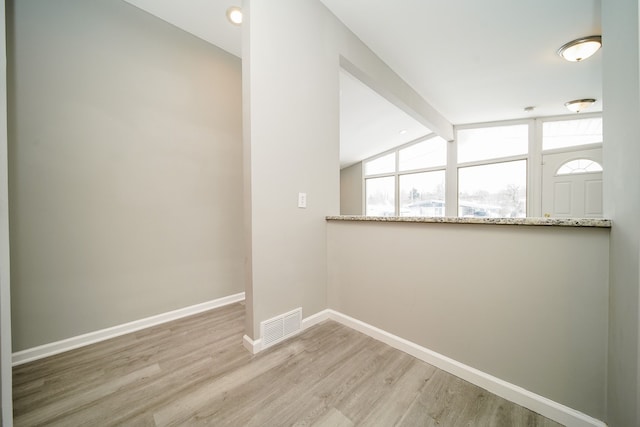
{"x": 579, "y": 166}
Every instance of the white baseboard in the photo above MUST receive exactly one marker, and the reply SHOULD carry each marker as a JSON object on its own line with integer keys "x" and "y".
{"x": 50, "y": 349}
{"x": 314, "y": 319}
{"x": 546, "y": 407}
{"x": 254, "y": 347}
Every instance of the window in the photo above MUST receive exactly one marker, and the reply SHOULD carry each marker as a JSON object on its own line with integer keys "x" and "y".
{"x": 422, "y": 194}
{"x": 384, "y": 164}
{"x": 495, "y": 190}
{"x": 579, "y": 166}
{"x": 410, "y": 181}
{"x": 425, "y": 154}
{"x": 570, "y": 133}
{"x": 498, "y": 171}
{"x": 380, "y": 194}
{"x": 492, "y": 142}
{"x": 488, "y": 185}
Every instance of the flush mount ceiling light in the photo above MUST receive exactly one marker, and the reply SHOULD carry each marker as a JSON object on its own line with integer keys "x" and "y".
{"x": 580, "y": 49}
{"x": 579, "y": 104}
{"x": 234, "y": 15}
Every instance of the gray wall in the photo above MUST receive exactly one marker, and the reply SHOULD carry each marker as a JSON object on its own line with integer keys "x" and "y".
{"x": 292, "y": 138}
{"x": 125, "y": 168}
{"x": 5, "y": 289}
{"x": 292, "y": 53}
{"x": 351, "y": 189}
{"x": 525, "y": 304}
{"x": 621, "y": 152}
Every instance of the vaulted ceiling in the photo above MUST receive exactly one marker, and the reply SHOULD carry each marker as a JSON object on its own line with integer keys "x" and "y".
{"x": 474, "y": 61}
{"x": 478, "y": 61}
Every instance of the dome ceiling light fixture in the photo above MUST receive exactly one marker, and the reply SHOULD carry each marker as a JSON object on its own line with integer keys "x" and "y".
{"x": 234, "y": 15}
{"x": 579, "y": 104}
{"x": 580, "y": 49}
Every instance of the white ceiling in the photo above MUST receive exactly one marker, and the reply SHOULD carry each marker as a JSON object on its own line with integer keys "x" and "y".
{"x": 474, "y": 61}
{"x": 369, "y": 124}
{"x": 206, "y": 19}
{"x": 477, "y": 61}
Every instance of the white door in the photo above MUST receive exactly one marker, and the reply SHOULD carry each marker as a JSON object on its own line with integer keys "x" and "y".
{"x": 572, "y": 184}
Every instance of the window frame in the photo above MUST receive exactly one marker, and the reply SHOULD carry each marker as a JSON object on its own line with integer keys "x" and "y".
{"x": 396, "y": 174}
{"x": 525, "y": 156}
{"x": 572, "y": 172}
{"x": 499, "y": 162}
{"x": 540, "y": 133}
{"x": 415, "y": 172}
{"x": 533, "y": 159}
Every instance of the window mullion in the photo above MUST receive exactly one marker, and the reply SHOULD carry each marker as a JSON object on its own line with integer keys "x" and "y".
{"x": 534, "y": 170}
{"x": 397, "y": 182}
{"x": 491, "y": 161}
{"x": 451, "y": 180}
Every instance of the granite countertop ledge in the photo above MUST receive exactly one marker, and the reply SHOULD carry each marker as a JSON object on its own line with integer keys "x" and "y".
{"x": 557, "y": 222}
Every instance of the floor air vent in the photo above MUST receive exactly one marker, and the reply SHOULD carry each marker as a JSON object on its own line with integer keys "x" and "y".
{"x": 280, "y": 327}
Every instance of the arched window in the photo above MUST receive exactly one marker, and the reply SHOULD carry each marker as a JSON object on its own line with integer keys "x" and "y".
{"x": 579, "y": 166}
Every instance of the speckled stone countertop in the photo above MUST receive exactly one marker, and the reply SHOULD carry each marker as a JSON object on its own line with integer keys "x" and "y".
{"x": 557, "y": 222}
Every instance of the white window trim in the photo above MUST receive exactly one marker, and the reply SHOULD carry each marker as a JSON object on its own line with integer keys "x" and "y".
{"x": 397, "y": 173}
{"x": 533, "y": 157}
{"x": 525, "y": 156}
{"x": 583, "y": 172}
{"x": 534, "y": 170}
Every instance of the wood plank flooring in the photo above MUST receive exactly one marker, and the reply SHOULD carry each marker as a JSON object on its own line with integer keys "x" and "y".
{"x": 195, "y": 371}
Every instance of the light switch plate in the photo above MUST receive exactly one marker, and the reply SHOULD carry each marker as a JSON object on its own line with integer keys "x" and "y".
{"x": 302, "y": 200}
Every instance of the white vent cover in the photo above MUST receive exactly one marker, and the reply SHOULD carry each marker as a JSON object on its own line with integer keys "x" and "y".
{"x": 280, "y": 327}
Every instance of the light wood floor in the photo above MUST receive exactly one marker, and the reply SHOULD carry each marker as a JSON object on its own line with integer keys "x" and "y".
{"x": 195, "y": 371}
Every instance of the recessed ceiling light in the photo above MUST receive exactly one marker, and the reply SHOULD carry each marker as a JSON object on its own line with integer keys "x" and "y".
{"x": 579, "y": 104}
{"x": 402, "y": 132}
{"x": 580, "y": 49}
{"x": 529, "y": 109}
{"x": 234, "y": 15}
